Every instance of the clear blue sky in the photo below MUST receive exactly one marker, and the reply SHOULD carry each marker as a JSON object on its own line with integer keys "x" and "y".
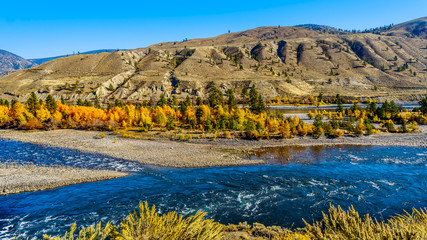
{"x": 35, "y": 29}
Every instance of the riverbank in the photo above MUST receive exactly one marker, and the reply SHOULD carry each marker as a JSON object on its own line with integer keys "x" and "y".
{"x": 383, "y": 139}
{"x": 16, "y": 178}
{"x": 159, "y": 152}
{"x": 196, "y": 152}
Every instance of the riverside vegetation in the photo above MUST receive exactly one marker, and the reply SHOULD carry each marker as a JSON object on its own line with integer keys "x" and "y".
{"x": 337, "y": 224}
{"x": 217, "y": 116}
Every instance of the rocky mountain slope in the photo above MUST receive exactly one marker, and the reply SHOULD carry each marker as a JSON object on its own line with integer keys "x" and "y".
{"x": 10, "y": 62}
{"x": 278, "y": 61}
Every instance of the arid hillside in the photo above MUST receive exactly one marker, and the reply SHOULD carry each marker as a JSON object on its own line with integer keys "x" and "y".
{"x": 278, "y": 61}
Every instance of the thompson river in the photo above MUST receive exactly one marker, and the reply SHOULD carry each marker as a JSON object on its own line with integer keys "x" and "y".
{"x": 295, "y": 183}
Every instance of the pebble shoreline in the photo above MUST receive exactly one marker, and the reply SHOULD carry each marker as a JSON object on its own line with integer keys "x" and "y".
{"x": 160, "y": 152}
{"x": 16, "y": 178}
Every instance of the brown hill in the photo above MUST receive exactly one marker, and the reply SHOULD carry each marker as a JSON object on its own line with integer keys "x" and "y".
{"x": 278, "y": 61}
{"x": 414, "y": 28}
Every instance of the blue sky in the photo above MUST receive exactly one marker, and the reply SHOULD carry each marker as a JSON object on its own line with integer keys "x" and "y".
{"x": 35, "y": 29}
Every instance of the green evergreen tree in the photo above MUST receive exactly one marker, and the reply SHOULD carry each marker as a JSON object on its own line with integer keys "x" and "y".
{"x": 33, "y": 103}
{"x": 340, "y": 104}
{"x": 215, "y": 97}
{"x": 253, "y": 100}
{"x": 13, "y": 102}
{"x": 87, "y": 103}
{"x": 261, "y": 104}
{"x": 170, "y": 122}
{"x": 62, "y": 100}
{"x": 51, "y": 104}
{"x": 188, "y": 101}
{"x": 423, "y": 105}
{"x": 79, "y": 102}
{"x": 97, "y": 103}
{"x": 162, "y": 101}
{"x": 372, "y": 107}
{"x": 384, "y": 109}
{"x": 118, "y": 103}
{"x": 394, "y": 109}
{"x": 174, "y": 101}
{"x": 231, "y": 99}
{"x": 199, "y": 101}
{"x": 208, "y": 125}
{"x": 199, "y": 114}
{"x": 244, "y": 95}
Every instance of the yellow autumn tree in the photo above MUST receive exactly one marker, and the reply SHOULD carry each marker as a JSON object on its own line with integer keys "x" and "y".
{"x": 4, "y": 114}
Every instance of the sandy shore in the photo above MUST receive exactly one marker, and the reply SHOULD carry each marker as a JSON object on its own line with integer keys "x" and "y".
{"x": 154, "y": 152}
{"x": 383, "y": 139}
{"x": 197, "y": 152}
{"x": 16, "y": 178}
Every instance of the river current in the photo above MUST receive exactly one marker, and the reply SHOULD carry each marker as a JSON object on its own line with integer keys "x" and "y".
{"x": 296, "y": 183}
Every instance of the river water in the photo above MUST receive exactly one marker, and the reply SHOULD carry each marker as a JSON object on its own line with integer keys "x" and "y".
{"x": 296, "y": 183}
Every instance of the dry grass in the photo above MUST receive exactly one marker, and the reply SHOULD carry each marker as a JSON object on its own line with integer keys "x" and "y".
{"x": 339, "y": 224}
{"x": 149, "y": 225}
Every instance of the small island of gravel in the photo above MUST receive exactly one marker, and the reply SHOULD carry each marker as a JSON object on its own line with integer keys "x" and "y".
{"x": 16, "y": 178}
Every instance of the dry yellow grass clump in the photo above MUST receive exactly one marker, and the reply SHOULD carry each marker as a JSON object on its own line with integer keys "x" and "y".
{"x": 148, "y": 224}
{"x": 339, "y": 224}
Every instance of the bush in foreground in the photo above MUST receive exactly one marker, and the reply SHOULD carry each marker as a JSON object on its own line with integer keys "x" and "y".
{"x": 338, "y": 224}
{"x": 148, "y": 224}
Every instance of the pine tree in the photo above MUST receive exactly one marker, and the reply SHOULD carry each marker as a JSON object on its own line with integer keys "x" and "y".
{"x": 340, "y": 104}
{"x": 79, "y": 102}
{"x": 244, "y": 95}
{"x": 170, "y": 122}
{"x": 51, "y": 104}
{"x": 215, "y": 97}
{"x": 261, "y": 104}
{"x": 423, "y": 104}
{"x": 33, "y": 103}
{"x": 253, "y": 100}
{"x": 174, "y": 101}
{"x": 188, "y": 101}
{"x": 231, "y": 99}
{"x": 162, "y": 101}
{"x": 97, "y": 104}
{"x": 87, "y": 103}
{"x": 199, "y": 101}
